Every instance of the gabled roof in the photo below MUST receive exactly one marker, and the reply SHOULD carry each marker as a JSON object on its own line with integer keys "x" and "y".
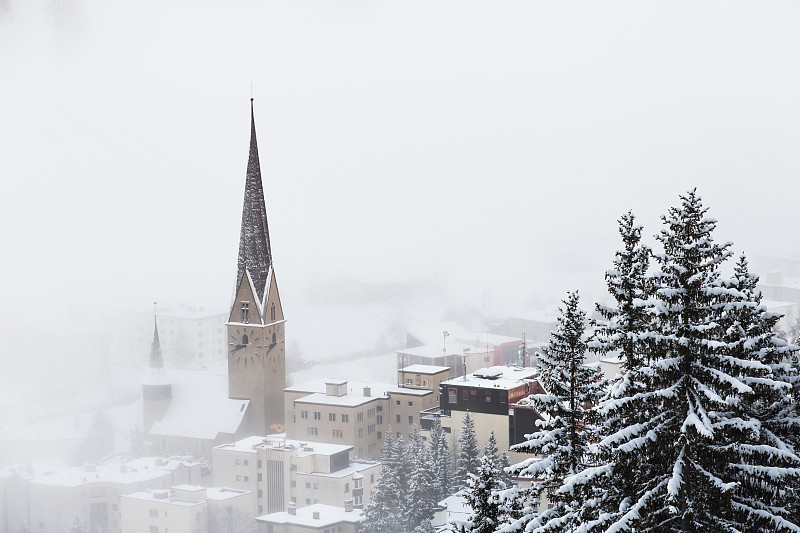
{"x": 255, "y": 254}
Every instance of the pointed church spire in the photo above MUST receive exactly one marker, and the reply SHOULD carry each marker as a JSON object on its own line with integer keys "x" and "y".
{"x": 255, "y": 255}
{"x": 156, "y": 361}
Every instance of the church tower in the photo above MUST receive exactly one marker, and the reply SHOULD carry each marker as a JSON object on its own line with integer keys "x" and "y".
{"x": 156, "y": 389}
{"x": 256, "y": 347}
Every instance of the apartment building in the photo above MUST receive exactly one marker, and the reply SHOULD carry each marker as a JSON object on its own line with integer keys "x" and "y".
{"x": 48, "y": 500}
{"x": 280, "y": 470}
{"x": 354, "y": 414}
{"x": 491, "y": 396}
{"x": 186, "y": 509}
{"x": 452, "y": 354}
{"x": 317, "y": 518}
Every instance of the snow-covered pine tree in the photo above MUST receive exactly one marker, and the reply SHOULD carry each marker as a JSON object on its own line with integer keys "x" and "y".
{"x": 624, "y": 330}
{"x": 482, "y": 497}
{"x": 749, "y": 332}
{"x": 76, "y": 526}
{"x": 468, "y": 459}
{"x": 422, "y": 496}
{"x": 694, "y": 440}
{"x": 24, "y": 527}
{"x": 386, "y": 509}
{"x": 440, "y": 455}
{"x": 562, "y": 442}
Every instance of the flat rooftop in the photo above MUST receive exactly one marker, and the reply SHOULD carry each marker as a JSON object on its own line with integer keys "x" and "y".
{"x": 302, "y": 448}
{"x": 326, "y": 515}
{"x": 425, "y": 369}
{"x": 502, "y": 377}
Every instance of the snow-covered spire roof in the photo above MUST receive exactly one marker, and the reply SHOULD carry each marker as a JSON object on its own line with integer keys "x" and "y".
{"x": 254, "y": 248}
{"x": 156, "y": 361}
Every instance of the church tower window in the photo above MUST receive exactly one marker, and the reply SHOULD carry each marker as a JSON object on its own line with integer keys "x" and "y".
{"x": 272, "y": 312}
{"x": 245, "y": 312}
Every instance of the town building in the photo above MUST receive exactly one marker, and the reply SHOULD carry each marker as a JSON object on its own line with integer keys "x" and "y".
{"x": 460, "y": 357}
{"x": 492, "y": 397}
{"x": 317, "y": 518}
{"x": 359, "y": 414}
{"x": 280, "y": 470}
{"x": 49, "y": 499}
{"x": 186, "y": 509}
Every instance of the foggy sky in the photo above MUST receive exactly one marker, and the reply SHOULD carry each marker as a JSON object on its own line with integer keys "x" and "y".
{"x": 493, "y": 143}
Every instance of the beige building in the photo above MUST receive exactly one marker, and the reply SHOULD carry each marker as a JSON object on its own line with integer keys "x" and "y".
{"x": 358, "y": 414}
{"x": 280, "y": 471}
{"x": 186, "y": 509}
{"x": 317, "y": 518}
{"x": 48, "y": 500}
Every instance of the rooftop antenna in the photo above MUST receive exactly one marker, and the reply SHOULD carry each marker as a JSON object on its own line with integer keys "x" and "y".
{"x": 445, "y": 334}
{"x": 464, "y": 363}
{"x": 154, "y": 309}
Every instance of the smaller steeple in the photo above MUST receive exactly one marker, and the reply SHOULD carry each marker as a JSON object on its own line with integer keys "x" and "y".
{"x": 156, "y": 360}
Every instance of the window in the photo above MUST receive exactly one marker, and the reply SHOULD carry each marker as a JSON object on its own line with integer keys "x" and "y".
{"x": 371, "y": 413}
{"x": 360, "y": 433}
{"x": 380, "y": 435}
{"x": 488, "y": 397}
{"x": 238, "y": 461}
{"x": 357, "y": 500}
{"x": 247, "y": 478}
{"x": 370, "y": 429}
{"x": 308, "y": 501}
{"x": 153, "y": 529}
{"x": 409, "y": 381}
{"x": 331, "y": 417}
{"x": 246, "y": 462}
{"x": 304, "y": 414}
{"x": 360, "y": 417}
{"x": 294, "y": 484}
{"x": 397, "y": 402}
{"x": 452, "y": 396}
{"x": 238, "y": 478}
{"x": 371, "y": 448}
{"x": 345, "y": 418}
{"x": 293, "y": 468}
{"x": 312, "y": 431}
{"x": 372, "y": 478}
{"x": 260, "y": 493}
{"x": 380, "y": 408}
{"x": 272, "y": 312}
{"x": 317, "y": 415}
{"x": 360, "y": 452}
{"x": 347, "y": 487}
{"x": 258, "y": 464}
{"x": 465, "y": 394}
{"x": 308, "y": 484}
{"x": 358, "y": 482}
{"x": 316, "y": 485}
{"x": 153, "y": 513}
{"x": 410, "y": 419}
{"x": 337, "y": 434}
{"x": 397, "y": 419}
{"x": 380, "y": 419}
{"x": 245, "y": 313}
{"x": 411, "y": 404}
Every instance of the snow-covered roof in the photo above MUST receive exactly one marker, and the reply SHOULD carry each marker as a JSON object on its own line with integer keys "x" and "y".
{"x": 409, "y": 391}
{"x": 200, "y": 407}
{"x": 425, "y": 369}
{"x": 354, "y": 470}
{"x": 301, "y": 448}
{"x": 162, "y": 496}
{"x": 502, "y": 377}
{"x": 143, "y": 469}
{"x": 490, "y": 338}
{"x": 224, "y": 493}
{"x": 327, "y": 515}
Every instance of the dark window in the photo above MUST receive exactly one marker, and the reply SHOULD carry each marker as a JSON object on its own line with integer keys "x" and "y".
{"x": 245, "y": 312}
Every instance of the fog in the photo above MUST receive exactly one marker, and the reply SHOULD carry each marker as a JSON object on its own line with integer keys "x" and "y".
{"x": 486, "y": 147}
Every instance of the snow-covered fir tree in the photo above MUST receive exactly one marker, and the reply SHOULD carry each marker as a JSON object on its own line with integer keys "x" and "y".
{"x": 562, "y": 442}
{"x": 440, "y": 455}
{"x": 422, "y": 493}
{"x": 623, "y": 330}
{"x": 468, "y": 458}
{"x": 694, "y": 452}
{"x": 386, "y": 509}
{"x": 24, "y": 527}
{"x": 76, "y": 526}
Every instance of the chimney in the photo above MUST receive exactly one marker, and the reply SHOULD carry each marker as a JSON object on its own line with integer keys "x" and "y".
{"x": 367, "y": 392}
{"x": 316, "y": 515}
{"x": 348, "y": 505}
{"x": 292, "y": 508}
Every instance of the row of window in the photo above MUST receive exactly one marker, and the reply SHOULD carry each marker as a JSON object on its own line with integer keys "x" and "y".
{"x": 452, "y": 395}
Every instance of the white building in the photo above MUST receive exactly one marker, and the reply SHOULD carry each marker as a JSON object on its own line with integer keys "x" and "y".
{"x": 317, "y": 518}
{"x": 185, "y": 509}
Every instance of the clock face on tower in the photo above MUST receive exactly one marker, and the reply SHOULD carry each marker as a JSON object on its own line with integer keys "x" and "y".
{"x": 240, "y": 341}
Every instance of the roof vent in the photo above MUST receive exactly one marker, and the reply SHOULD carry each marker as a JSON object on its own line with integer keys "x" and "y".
{"x": 348, "y": 505}
{"x": 161, "y": 494}
{"x": 367, "y": 392}
{"x": 316, "y": 515}
{"x": 292, "y": 509}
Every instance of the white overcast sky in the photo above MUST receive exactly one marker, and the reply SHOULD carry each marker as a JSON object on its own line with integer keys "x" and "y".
{"x": 494, "y": 143}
